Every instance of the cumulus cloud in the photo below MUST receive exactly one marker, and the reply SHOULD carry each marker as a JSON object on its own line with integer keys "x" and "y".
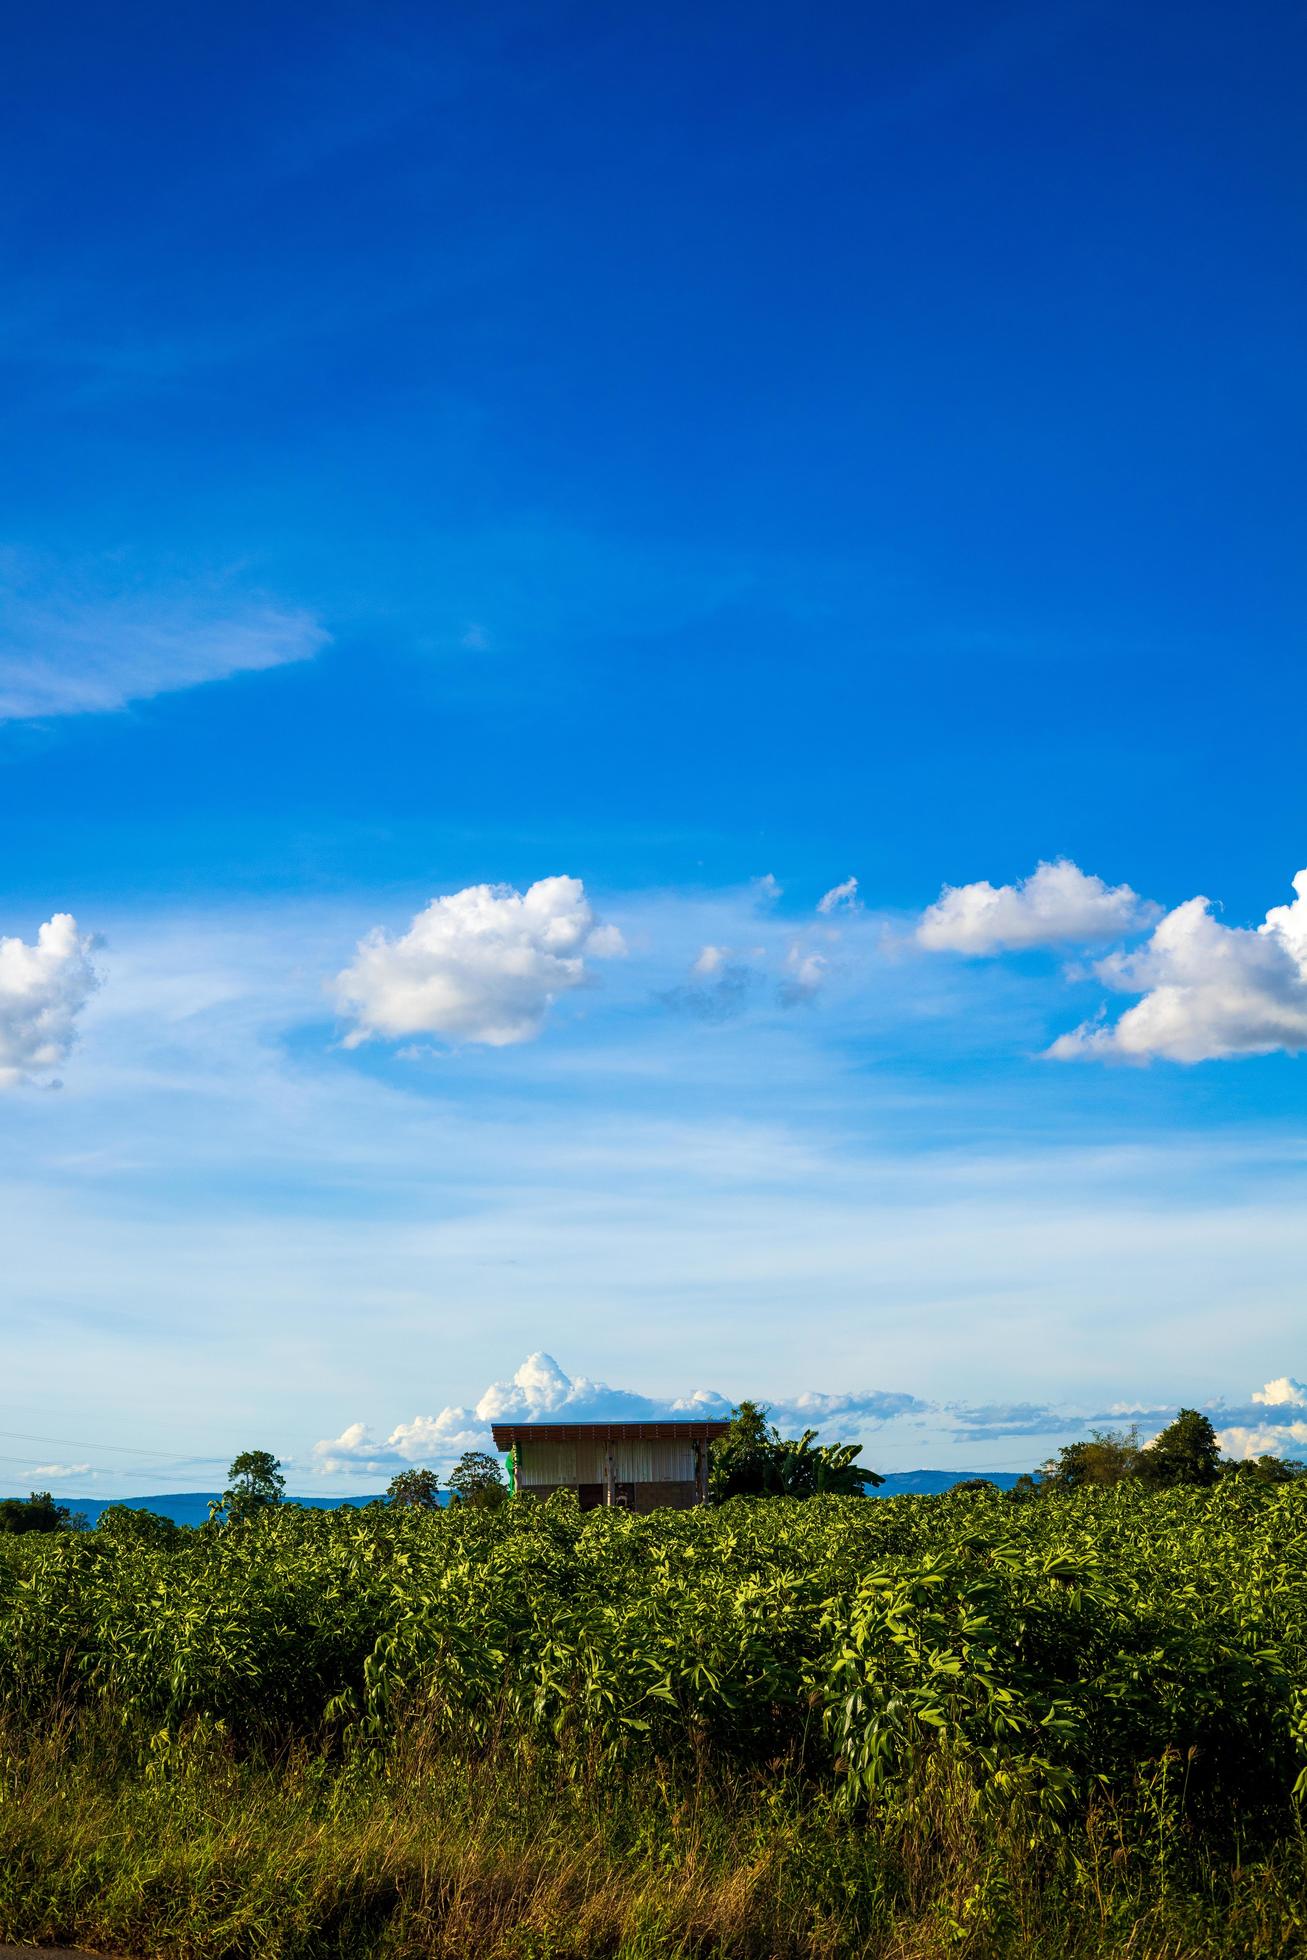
{"x": 43, "y": 988}
{"x": 484, "y": 964}
{"x": 1283, "y": 1392}
{"x": 1209, "y": 990}
{"x": 60, "y": 1472}
{"x": 68, "y": 647}
{"x": 1239, "y": 1441}
{"x": 840, "y": 898}
{"x": 540, "y": 1391}
{"x": 1059, "y": 904}
{"x": 1273, "y": 1420}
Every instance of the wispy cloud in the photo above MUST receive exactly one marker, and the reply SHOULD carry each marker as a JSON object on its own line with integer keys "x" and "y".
{"x": 840, "y": 898}
{"x": 78, "y": 641}
{"x": 220, "y": 1190}
{"x": 718, "y": 989}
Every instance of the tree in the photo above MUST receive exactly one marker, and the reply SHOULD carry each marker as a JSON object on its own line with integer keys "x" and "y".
{"x": 255, "y": 1484}
{"x": 127, "y": 1524}
{"x": 1023, "y": 1489}
{"x": 39, "y": 1512}
{"x": 415, "y": 1490}
{"x": 1186, "y": 1452}
{"x": 477, "y": 1479}
{"x": 752, "y": 1459}
{"x": 1109, "y": 1457}
{"x": 1264, "y": 1469}
{"x": 742, "y": 1461}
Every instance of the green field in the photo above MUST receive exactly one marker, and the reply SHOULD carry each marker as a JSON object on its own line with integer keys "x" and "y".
{"x": 923, "y": 1726}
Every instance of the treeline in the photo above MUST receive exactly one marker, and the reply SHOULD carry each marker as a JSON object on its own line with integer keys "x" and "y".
{"x": 752, "y": 1459}
{"x": 1185, "y": 1453}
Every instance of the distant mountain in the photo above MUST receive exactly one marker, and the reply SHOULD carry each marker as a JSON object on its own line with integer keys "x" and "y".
{"x": 927, "y": 1483}
{"x": 192, "y": 1506}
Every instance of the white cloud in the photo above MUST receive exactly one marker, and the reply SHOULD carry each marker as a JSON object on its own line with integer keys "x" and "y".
{"x": 1209, "y": 990}
{"x": 483, "y": 964}
{"x": 766, "y": 890}
{"x": 1283, "y": 1392}
{"x": 884, "y": 1419}
{"x": 43, "y": 988}
{"x": 840, "y": 898}
{"x": 426, "y": 1439}
{"x": 67, "y": 649}
{"x": 57, "y": 1472}
{"x": 1240, "y": 1441}
{"x": 1057, "y": 905}
{"x": 540, "y": 1391}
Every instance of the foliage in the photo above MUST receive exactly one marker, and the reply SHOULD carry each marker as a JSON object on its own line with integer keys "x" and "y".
{"x": 1108, "y": 1457}
{"x": 1266, "y": 1469}
{"x": 1110, "y": 1682}
{"x": 418, "y": 1489}
{"x": 255, "y": 1484}
{"x": 127, "y": 1523}
{"x": 1090, "y": 1632}
{"x": 477, "y": 1479}
{"x": 39, "y": 1512}
{"x": 927, "y": 1725}
{"x": 1186, "y": 1452}
{"x": 752, "y": 1459}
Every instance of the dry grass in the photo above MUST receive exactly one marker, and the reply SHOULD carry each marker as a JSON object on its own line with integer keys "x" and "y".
{"x": 181, "y": 1850}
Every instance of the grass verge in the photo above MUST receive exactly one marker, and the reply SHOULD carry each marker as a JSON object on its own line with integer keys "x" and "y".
{"x": 178, "y": 1847}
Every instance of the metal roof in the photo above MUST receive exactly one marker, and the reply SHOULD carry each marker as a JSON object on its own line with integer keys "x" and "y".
{"x": 506, "y": 1434}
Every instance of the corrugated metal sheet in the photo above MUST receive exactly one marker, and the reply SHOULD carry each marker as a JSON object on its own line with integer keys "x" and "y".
{"x": 508, "y": 1433}
{"x": 540, "y": 1462}
{"x": 550, "y": 1461}
{"x": 654, "y": 1463}
{"x": 545, "y": 1463}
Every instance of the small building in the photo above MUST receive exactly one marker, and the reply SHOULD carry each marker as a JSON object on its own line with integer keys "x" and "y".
{"x": 639, "y": 1466}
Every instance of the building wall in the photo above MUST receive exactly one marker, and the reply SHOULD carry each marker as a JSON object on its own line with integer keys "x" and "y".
{"x": 654, "y": 1496}
{"x": 665, "y": 1497}
{"x": 550, "y": 1464}
{"x": 545, "y": 1465}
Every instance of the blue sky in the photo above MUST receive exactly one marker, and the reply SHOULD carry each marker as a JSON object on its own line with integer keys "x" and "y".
{"x": 706, "y": 457}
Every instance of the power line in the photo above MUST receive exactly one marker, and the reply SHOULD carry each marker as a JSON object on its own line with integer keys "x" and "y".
{"x": 115, "y": 1449}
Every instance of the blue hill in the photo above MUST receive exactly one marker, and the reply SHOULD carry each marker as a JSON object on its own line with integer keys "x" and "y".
{"x": 927, "y": 1483}
{"x": 192, "y": 1506}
